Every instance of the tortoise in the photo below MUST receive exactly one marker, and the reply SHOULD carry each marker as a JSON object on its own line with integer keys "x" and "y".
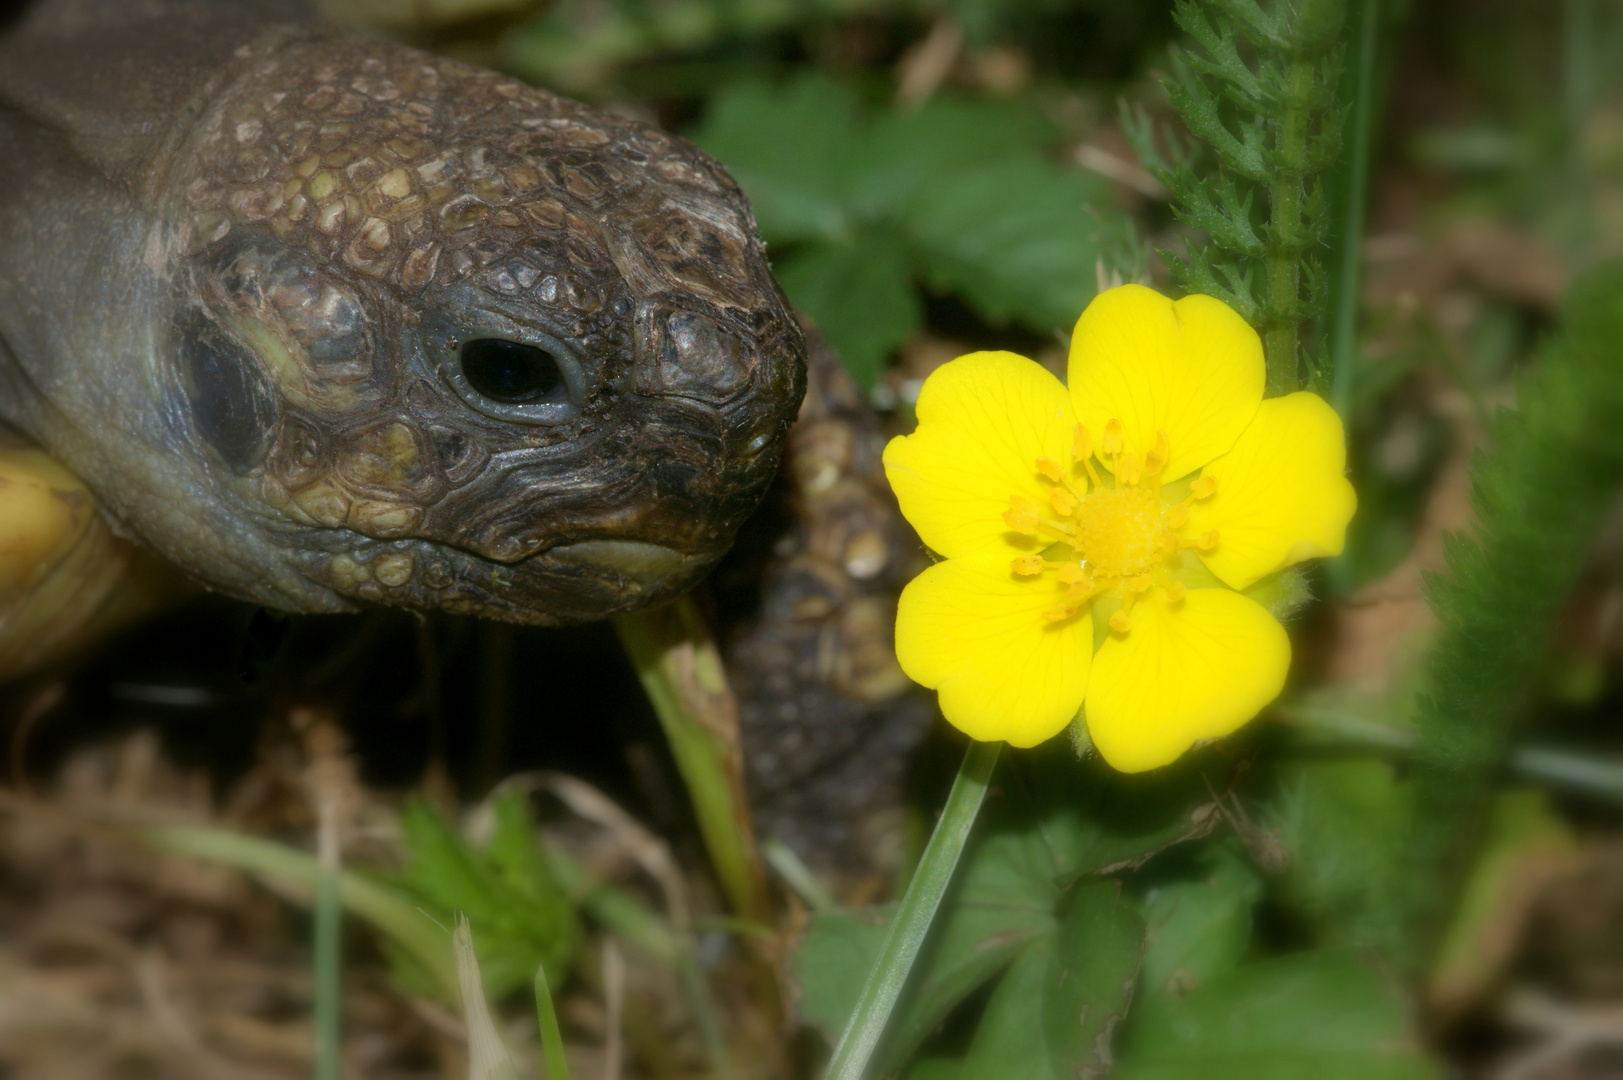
{"x": 329, "y": 322}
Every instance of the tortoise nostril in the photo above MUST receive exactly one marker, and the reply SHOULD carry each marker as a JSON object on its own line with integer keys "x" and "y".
{"x": 513, "y": 373}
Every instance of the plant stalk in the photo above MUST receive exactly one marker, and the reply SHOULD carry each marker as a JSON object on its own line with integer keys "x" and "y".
{"x": 1289, "y": 167}
{"x": 1355, "y": 197}
{"x": 681, "y": 671}
{"x": 911, "y": 922}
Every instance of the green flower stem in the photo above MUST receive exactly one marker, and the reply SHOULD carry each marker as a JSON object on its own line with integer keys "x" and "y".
{"x": 1289, "y": 168}
{"x": 681, "y": 671}
{"x": 1355, "y": 196}
{"x": 911, "y": 922}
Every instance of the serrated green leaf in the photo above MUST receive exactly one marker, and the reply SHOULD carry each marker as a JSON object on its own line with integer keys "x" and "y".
{"x": 789, "y": 148}
{"x": 1326, "y": 1015}
{"x": 999, "y": 904}
{"x": 1072, "y": 818}
{"x": 903, "y": 152}
{"x": 1198, "y": 930}
{"x": 1017, "y": 238}
{"x": 1091, "y": 975}
{"x": 861, "y": 296}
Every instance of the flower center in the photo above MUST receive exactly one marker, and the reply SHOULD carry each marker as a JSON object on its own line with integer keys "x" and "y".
{"x": 1122, "y": 539}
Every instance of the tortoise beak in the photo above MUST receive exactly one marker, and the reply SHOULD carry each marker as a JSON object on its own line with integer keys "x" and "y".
{"x": 633, "y": 565}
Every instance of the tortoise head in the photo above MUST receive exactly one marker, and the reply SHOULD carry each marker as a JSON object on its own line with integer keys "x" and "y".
{"x": 453, "y": 342}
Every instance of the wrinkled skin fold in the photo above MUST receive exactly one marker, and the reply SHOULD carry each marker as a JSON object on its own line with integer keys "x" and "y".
{"x": 326, "y": 320}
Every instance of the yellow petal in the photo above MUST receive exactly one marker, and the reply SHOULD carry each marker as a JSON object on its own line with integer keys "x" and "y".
{"x": 972, "y": 630}
{"x": 1192, "y": 670}
{"x": 1191, "y": 368}
{"x": 984, "y": 420}
{"x": 1282, "y": 493}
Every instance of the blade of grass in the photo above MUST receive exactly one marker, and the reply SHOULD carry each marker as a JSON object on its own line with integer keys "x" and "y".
{"x": 488, "y": 1059}
{"x": 911, "y": 923}
{"x": 328, "y": 926}
{"x": 384, "y": 910}
{"x": 552, "y": 1040}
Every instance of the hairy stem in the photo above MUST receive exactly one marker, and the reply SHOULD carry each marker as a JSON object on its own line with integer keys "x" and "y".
{"x": 1290, "y": 234}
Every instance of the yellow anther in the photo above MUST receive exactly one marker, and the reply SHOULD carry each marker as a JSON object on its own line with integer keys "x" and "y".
{"x": 1204, "y": 488}
{"x": 1082, "y": 443}
{"x": 1064, "y": 502}
{"x": 1111, "y": 444}
{"x": 1075, "y": 597}
{"x": 1073, "y": 574}
{"x": 1208, "y": 540}
{"x": 1175, "y": 592}
{"x": 1050, "y": 468}
{"x": 1129, "y": 472}
{"x": 1027, "y": 565}
{"x": 1121, "y": 622}
{"x": 1021, "y": 516}
{"x": 1178, "y": 516}
{"x": 1156, "y": 459}
{"x": 1139, "y": 583}
{"x": 1171, "y": 545}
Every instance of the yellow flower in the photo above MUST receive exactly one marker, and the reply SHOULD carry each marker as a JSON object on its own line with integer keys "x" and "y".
{"x": 1084, "y": 560}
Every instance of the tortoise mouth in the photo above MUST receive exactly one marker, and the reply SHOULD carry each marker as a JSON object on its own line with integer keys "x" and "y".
{"x": 639, "y": 564}
{"x": 570, "y": 582}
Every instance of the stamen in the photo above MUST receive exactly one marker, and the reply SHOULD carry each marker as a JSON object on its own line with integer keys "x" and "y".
{"x": 1021, "y": 516}
{"x": 1204, "y": 488}
{"x": 1178, "y": 516}
{"x": 1063, "y": 501}
{"x": 1073, "y": 574}
{"x": 1120, "y": 621}
{"x": 1075, "y": 597}
{"x": 1175, "y": 592}
{"x": 1112, "y": 441}
{"x": 1129, "y": 473}
{"x": 1050, "y": 468}
{"x": 1156, "y": 459}
{"x": 1170, "y": 545}
{"x": 1208, "y": 540}
{"x": 1082, "y": 448}
{"x": 1028, "y": 565}
{"x": 1140, "y": 583}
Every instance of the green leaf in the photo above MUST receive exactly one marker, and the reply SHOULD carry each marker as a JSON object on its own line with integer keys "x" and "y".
{"x": 1091, "y": 974}
{"x": 1082, "y": 817}
{"x": 903, "y": 152}
{"x": 789, "y": 148}
{"x": 861, "y": 296}
{"x": 1016, "y": 237}
{"x": 1078, "y": 980}
{"x": 1199, "y": 929}
{"x": 1346, "y": 824}
{"x": 1326, "y": 1015}
{"x": 1005, "y": 1046}
{"x": 1000, "y": 902}
{"x": 508, "y": 892}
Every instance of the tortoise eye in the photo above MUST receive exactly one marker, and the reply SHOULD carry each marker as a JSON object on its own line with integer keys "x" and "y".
{"x": 513, "y": 373}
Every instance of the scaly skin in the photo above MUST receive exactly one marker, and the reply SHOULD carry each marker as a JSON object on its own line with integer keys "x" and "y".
{"x": 238, "y": 264}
